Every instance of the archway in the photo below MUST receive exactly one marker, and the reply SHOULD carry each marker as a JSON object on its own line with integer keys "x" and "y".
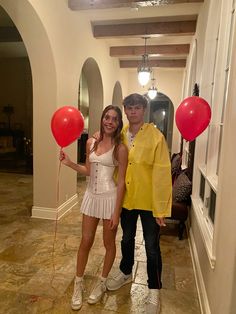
{"x": 161, "y": 113}
{"x": 117, "y": 97}
{"x": 45, "y": 95}
{"x": 16, "y": 109}
{"x": 90, "y": 102}
{"x": 92, "y": 93}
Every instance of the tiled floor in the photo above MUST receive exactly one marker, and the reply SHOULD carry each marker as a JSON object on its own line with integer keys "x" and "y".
{"x": 37, "y": 279}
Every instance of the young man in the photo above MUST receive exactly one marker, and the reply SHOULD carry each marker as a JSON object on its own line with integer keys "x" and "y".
{"x": 148, "y": 195}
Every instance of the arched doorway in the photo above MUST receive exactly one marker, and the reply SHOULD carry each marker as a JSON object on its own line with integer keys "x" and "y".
{"x": 161, "y": 113}
{"x": 117, "y": 97}
{"x": 16, "y": 109}
{"x": 90, "y": 102}
{"x": 45, "y": 102}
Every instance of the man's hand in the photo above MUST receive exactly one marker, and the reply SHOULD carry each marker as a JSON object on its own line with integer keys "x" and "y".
{"x": 96, "y": 135}
{"x": 161, "y": 221}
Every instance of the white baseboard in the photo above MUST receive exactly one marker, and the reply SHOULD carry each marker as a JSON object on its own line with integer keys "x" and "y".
{"x": 54, "y": 213}
{"x": 202, "y": 295}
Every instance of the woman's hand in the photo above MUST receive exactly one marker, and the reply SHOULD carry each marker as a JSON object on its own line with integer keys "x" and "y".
{"x": 114, "y": 222}
{"x": 64, "y": 158}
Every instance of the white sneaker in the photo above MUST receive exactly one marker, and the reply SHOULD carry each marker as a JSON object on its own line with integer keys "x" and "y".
{"x": 153, "y": 302}
{"x": 119, "y": 280}
{"x": 77, "y": 297}
{"x": 97, "y": 292}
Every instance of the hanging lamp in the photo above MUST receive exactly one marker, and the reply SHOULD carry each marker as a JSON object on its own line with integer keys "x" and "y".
{"x": 144, "y": 71}
{"x": 152, "y": 91}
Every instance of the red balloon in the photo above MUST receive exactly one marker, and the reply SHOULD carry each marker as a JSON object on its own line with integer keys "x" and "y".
{"x": 192, "y": 117}
{"x": 67, "y": 124}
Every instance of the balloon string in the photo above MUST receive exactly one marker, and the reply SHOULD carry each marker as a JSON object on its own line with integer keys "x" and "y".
{"x": 55, "y": 227}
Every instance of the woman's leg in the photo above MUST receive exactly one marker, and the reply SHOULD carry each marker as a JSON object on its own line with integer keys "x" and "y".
{"x": 129, "y": 225}
{"x": 110, "y": 246}
{"x": 109, "y": 237}
{"x": 89, "y": 227}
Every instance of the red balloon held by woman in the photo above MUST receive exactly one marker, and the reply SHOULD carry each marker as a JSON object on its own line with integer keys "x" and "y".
{"x": 67, "y": 124}
{"x": 192, "y": 117}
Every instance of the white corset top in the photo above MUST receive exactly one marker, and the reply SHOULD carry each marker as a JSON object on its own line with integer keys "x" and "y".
{"x": 101, "y": 172}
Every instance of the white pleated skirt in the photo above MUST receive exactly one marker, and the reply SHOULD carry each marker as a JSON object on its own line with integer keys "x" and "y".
{"x": 99, "y": 205}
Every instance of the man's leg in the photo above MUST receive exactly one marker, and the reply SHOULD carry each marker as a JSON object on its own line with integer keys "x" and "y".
{"x": 151, "y": 233}
{"x": 129, "y": 224}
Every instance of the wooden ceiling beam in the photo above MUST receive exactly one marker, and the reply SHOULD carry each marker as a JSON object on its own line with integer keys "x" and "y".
{"x": 179, "y": 49}
{"x": 9, "y": 34}
{"x": 107, "y": 4}
{"x": 178, "y": 63}
{"x": 145, "y": 29}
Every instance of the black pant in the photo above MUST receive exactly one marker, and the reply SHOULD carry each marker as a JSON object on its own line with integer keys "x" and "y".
{"x": 151, "y": 234}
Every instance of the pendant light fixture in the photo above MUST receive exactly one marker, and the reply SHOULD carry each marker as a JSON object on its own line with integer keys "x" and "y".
{"x": 152, "y": 91}
{"x": 144, "y": 71}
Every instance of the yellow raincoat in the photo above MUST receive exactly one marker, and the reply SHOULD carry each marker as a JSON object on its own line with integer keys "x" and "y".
{"x": 148, "y": 175}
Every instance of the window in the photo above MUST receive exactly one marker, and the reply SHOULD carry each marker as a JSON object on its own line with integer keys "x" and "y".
{"x": 231, "y": 29}
{"x": 213, "y": 87}
{"x": 212, "y": 205}
{"x": 207, "y": 199}
{"x": 202, "y": 188}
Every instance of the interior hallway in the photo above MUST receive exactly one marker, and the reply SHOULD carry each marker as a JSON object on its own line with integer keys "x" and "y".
{"x": 29, "y": 284}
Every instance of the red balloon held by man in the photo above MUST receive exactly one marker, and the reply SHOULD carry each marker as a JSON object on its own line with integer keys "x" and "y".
{"x": 67, "y": 124}
{"x": 192, "y": 117}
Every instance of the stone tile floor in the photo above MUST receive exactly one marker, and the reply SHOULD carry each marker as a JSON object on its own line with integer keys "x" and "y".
{"x": 35, "y": 278}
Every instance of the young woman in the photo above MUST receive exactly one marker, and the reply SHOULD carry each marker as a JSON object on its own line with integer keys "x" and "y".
{"x": 103, "y": 198}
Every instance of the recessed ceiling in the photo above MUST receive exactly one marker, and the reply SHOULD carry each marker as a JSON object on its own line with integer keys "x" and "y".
{"x": 169, "y": 26}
